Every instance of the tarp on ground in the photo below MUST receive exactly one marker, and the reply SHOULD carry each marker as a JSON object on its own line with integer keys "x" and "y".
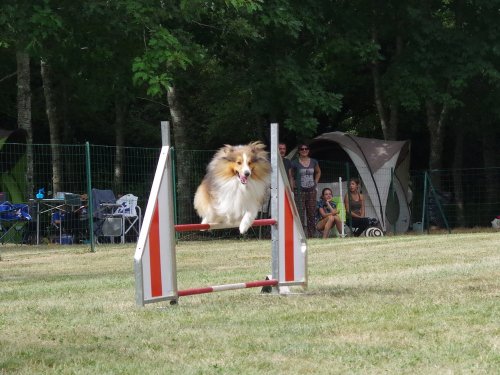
{"x": 383, "y": 167}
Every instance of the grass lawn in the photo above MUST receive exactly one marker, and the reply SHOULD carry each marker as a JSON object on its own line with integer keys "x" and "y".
{"x": 401, "y": 305}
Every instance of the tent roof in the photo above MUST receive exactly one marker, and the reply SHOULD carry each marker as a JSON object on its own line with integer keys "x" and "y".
{"x": 375, "y": 152}
{"x": 12, "y": 136}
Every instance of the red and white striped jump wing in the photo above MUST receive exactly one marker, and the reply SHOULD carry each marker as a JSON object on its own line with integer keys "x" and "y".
{"x": 155, "y": 262}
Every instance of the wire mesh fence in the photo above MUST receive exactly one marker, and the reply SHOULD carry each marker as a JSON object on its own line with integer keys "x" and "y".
{"x": 56, "y": 181}
{"x": 468, "y": 197}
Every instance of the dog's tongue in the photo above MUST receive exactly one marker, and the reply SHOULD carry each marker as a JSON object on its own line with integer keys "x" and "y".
{"x": 243, "y": 179}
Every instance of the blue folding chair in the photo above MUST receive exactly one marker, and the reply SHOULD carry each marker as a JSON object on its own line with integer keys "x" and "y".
{"x": 13, "y": 221}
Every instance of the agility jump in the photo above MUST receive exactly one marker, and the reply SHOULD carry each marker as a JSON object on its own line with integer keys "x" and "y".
{"x": 155, "y": 259}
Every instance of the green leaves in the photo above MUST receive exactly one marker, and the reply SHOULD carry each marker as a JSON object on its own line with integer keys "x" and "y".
{"x": 156, "y": 67}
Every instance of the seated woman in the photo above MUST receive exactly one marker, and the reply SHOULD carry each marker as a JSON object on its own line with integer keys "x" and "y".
{"x": 326, "y": 215}
{"x": 354, "y": 203}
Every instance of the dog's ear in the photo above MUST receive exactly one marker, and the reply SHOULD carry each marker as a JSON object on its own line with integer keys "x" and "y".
{"x": 227, "y": 148}
{"x": 225, "y": 152}
{"x": 257, "y": 146}
{"x": 259, "y": 151}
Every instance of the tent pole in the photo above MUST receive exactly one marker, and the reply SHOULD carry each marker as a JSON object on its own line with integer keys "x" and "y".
{"x": 349, "y": 218}
{"x": 341, "y": 200}
{"x": 393, "y": 191}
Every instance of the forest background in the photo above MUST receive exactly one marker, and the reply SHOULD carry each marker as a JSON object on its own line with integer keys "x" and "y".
{"x": 107, "y": 72}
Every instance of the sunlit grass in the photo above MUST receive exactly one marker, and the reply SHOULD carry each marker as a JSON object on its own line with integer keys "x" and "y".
{"x": 408, "y": 304}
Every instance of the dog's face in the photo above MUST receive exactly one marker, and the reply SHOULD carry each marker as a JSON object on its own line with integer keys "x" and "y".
{"x": 242, "y": 165}
{"x": 245, "y": 162}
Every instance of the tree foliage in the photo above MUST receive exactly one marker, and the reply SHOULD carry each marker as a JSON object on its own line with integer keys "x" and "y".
{"x": 393, "y": 69}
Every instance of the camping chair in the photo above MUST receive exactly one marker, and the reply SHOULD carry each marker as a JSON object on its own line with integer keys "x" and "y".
{"x": 115, "y": 218}
{"x": 13, "y": 220}
{"x": 129, "y": 213}
{"x": 103, "y": 204}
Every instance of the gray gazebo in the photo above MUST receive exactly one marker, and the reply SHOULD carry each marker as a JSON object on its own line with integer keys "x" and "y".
{"x": 384, "y": 170}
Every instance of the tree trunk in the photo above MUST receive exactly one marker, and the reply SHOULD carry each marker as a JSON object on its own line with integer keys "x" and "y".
{"x": 457, "y": 176}
{"x": 379, "y": 100}
{"x": 388, "y": 122}
{"x": 24, "y": 114}
{"x": 377, "y": 90}
{"x": 184, "y": 196}
{"x": 121, "y": 110}
{"x": 392, "y": 130}
{"x": 51, "y": 108}
{"x": 67, "y": 138}
{"x": 68, "y": 132}
{"x": 435, "y": 126}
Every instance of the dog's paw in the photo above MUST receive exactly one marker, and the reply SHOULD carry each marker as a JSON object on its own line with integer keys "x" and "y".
{"x": 244, "y": 227}
{"x": 247, "y": 221}
{"x": 204, "y": 221}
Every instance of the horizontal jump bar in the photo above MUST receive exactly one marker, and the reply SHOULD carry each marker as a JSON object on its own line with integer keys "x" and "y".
{"x": 195, "y": 227}
{"x": 220, "y": 288}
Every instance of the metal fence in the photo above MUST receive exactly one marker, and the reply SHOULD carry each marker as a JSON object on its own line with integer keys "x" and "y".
{"x": 469, "y": 197}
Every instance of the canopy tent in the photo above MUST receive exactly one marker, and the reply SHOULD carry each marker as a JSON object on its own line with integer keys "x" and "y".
{"x": 383, "y": 167}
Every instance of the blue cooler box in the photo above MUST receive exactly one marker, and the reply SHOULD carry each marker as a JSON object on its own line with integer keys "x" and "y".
{"x": 66, "y": 239}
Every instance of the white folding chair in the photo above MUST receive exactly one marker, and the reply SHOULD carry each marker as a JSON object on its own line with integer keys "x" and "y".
{"x": 129, "y": 213}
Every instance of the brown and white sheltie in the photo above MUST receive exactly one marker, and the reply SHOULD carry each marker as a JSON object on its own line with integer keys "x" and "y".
{"x": 235, "y": 186}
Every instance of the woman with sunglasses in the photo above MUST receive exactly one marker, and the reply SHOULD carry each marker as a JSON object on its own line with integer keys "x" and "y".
{"x": 304, "y": 177}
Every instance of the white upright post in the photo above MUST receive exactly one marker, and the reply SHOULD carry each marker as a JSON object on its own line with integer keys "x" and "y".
{"x": 275, "y": 237}
{"x": 290, "y": 258}
{"x": 165, "y": 133}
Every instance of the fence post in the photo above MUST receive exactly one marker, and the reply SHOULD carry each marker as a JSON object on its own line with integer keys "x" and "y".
{"x": 90, "y": 206}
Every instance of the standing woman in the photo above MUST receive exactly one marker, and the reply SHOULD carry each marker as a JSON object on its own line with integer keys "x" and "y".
{"x": 354, "y": 203}
{"x": 305, "y": 172}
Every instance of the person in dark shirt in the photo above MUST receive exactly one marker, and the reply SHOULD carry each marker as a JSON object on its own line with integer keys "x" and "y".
{"x": 286, "y": 162}
{"x": 354, "y": 203}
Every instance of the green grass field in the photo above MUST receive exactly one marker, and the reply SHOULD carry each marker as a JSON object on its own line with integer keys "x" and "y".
{"x": 401, "y": 305}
